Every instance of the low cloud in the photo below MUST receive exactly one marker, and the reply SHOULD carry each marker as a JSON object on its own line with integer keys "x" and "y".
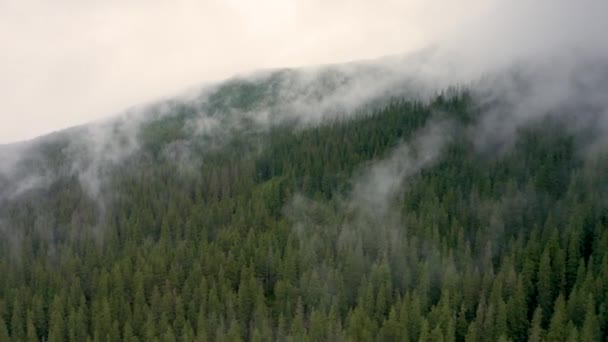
{"x": 379, "y": 185}
{"x": 522, "y": 61}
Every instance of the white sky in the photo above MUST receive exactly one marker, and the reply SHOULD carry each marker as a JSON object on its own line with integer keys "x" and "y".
{"x": 66, "y": 62}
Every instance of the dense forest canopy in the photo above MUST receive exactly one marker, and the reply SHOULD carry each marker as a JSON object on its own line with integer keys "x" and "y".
{"x": 396, "y": 220}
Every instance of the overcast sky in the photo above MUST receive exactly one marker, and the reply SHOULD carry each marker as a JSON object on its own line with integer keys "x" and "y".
{"x": 66, "y": 62}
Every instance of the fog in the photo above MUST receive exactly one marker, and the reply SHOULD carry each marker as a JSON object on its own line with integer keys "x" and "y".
{"x": 68, "y": 62}
{"x": 522, "y": 61}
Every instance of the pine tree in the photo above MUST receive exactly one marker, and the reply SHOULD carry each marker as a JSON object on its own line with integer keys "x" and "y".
{"x": 536, "y": 331}
{"x": 18, "y": 320}
{"x": 572, "y": 333}
{"x": 545, "y": 285}
{"x": 557, "y": 328}
{"x": 4, "y": 336}
{"x": 169, "y": 335}
{"x": 297, "y": 328}
{"x": 57, "y": 324}
{"x": 425, "y": 335}
{"x": 234, "y": 332}
{"x": 127, "y": 334}
{"x": 472, "y": 333}
{"x": 590, "y": 330}
{"x": 31, "y": 334}
{"x": 517, "y": 314}
{"x": 318, "y": 326}
{"x": 391, "y": 329}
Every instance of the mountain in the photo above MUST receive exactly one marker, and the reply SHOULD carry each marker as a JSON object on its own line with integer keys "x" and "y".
{"x": 366, "y": 201}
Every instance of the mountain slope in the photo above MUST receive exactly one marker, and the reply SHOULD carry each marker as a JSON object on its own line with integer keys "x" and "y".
{"x": 236, "y": 216}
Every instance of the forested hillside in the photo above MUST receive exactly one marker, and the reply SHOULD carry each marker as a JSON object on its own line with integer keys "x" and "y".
{"x": 390, "y": 225}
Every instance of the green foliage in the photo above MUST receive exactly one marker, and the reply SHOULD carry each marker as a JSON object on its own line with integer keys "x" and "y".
{"x": 258, "y": 244}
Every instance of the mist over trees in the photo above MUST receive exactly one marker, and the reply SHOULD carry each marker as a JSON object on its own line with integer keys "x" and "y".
{"x": 401, "y": 223}
{"x": 459, "y": 193}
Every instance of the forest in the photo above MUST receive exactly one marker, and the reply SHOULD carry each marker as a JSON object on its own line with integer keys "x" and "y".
{"x": 389, "y": 225}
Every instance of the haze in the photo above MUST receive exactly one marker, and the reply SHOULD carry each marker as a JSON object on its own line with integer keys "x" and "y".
{"x": 68, "y": 62}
